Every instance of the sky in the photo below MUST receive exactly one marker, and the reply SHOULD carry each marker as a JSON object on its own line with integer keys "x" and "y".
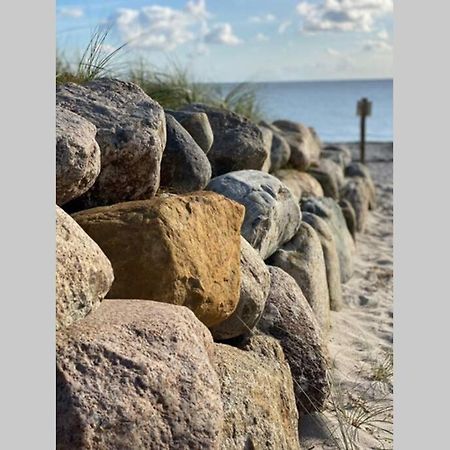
{"x": 240, "y": 40}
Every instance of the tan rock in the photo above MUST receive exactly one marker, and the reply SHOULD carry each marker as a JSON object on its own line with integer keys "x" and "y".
{"x": 299, "y": 183}
{"x": 137, "y": 375}
{"x": 182, "y": 249}
{"x": 83, "y": 273}
{"x": 258, "y": 396}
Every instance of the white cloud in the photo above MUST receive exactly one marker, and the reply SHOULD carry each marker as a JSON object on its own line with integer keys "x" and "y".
{"x": 266, "y": 18}
{"x": 222, "y": 33}
{"x": 74, "y": 13}
{"x": 158, "y": 27}
{"x": 284, "y": 26}
{"x": 379, "y": 44}
{"x": 383, "y": 35}
{"x": 261, "y": 37}
{"x": 342, "y": 15}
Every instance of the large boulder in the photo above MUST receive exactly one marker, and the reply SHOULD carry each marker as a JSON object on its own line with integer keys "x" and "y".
{"x": 356, "y": 191}
{"x": 184, "y": 165}
{"x": 272, "y": 215}
{"x": 255, "y": 285}
{"x": 83, "y": 273}
{"x": 131, "y": 133}
{"x": 238, "y": 143}
{"x": 305, "y": 149}
{"x": 77, "y": 155}
{"x": 137, "y": 374}
{"x": 280, "y": 151}
{"x": 197, "y": 125}
{"x": 182, "y": 249}
{"x": 331, "y": 258}
{"x": 258, "y": 396}
{"x": 302, "y": 258}
{"x": 289, "y": 318}
{"x": 330, "y": 176}
{"x": 329, "y": 210}
{"x": 359, "y": 170}
{"x": 338, "y": 153}
{"x": 349, "y": 215}
{"x": 301, "y": 184}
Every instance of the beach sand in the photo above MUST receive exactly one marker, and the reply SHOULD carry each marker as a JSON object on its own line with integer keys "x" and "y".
{"x": 361, "y": 338}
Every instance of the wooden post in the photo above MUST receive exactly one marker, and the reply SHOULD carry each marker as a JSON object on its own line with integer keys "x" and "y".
{"x": 364, "y": 109}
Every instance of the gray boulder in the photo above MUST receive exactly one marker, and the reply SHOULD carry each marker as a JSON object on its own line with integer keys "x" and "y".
{"x": 184, "y": 165}
{"x": 302, "y": 258}
{"x": 272, "y": 215}
{"x": 359, "y": 170}
{"x": 197, "y": 125}
{"x": 136, "y": 374}
{"x": 330, "y": 176}
{"x": 338, "y": 153}
{"x": 83, "y": 273}
{"x": 280, "y": 151}
{"x": 77, "y": 155}
{"x": 356, "y": 192}
{"x": 238, "y": 142}
{"x": 349, "y": 215}
{"x": 258, "y": 396}
{"x": 255, "y": 285}
{"x": 288, "y": 317}
{"x": 329, "y": 210}
{"x": 331, "y": 258}
{"x": 131, "y": 133}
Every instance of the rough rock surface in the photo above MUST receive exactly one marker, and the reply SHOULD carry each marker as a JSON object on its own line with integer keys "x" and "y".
{"x": 280, "y": 151}
{"x": 356, "y": 191}
{"x": 137, "y": 374}
{"x": 267, "y": 139}
{"x": 302, "y": 258}
{"x": 184, "y": 165}
{"x": 77, "y": 155}
{"x": 289, "y": 318}
{"x": 339, "y": 154}
{"x": 357, "y": 169}
{"x": 258, "y": 397}
{"x": 238, "y": 143}
{"x": 300, "y": 183}
{"x": 255, "y": 285}
{"x": 197, "y": 125}
{"x": 330, "y": 176}
{"x": 131, "y": 133}
{"x": 349, "y": 215}
{"x": 330, "y": 211}
{"x": 305, "y": 149}
{"x": 83, "y": 273}
{"x": 181, "y": 249}
{"x": 331, "y": 258}
{"x": 272, "y": 215}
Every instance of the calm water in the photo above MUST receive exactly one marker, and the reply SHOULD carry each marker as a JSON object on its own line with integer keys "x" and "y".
{"x": 330, "y": 106}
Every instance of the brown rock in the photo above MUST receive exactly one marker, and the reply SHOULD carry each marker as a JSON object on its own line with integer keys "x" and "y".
{"x": 357, "y": 192}
{"x": 299, "y": 183}
{"x": 330, "y": 176}
{"x": 349, "y": 215}
{"x": 174, "y": 249}
{"x": 137, "y": 375}
{"x": 83, "y": 273}
{"x": 258, "y": 397}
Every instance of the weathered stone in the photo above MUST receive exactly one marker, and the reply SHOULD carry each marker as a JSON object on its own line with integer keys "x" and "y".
{"x": 329, "y": 210}
{"x": 302, "y": 258}
{"x": 136, "y": 374}
{"x": 331, "y": 258}
{"x": 330, "y": 176}
{"x": 301, "y": 184}
{"x": 258, "y": 396}
{"x": 255, "y": 285}
{"x": 338, "y": 153}
{"x": 184, "y": 165}
{"x": 83, "y": 273}
{"x": 355, "y": 170}
{"x": 349, "y": 215}
{"x": 356, "y": 191}
{"x": 131, "y": 132}
{"x": 238, "y": 142}
{"x": 197, "y": 125}
{"x": 267, "y": 139}
{"x": 272, "y": 215}
{"x": 289, "y": 318}
{"x": 305, "y": 150}
{"x": 174, "y": 249}
{"x": 280, "y": 151}
{"x": 77, "y": 155}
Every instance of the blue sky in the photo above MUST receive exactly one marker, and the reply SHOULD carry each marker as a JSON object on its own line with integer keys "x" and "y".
{"x": 241, "y": 40}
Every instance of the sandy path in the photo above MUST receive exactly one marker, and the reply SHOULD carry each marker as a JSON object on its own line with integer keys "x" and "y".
{"x": 361, "y": 337}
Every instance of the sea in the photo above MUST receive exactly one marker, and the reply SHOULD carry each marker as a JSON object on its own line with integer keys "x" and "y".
{"x": 329, "y": 106}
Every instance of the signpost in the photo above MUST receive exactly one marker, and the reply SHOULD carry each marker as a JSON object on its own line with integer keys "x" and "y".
{"x": 364, "y": 109}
